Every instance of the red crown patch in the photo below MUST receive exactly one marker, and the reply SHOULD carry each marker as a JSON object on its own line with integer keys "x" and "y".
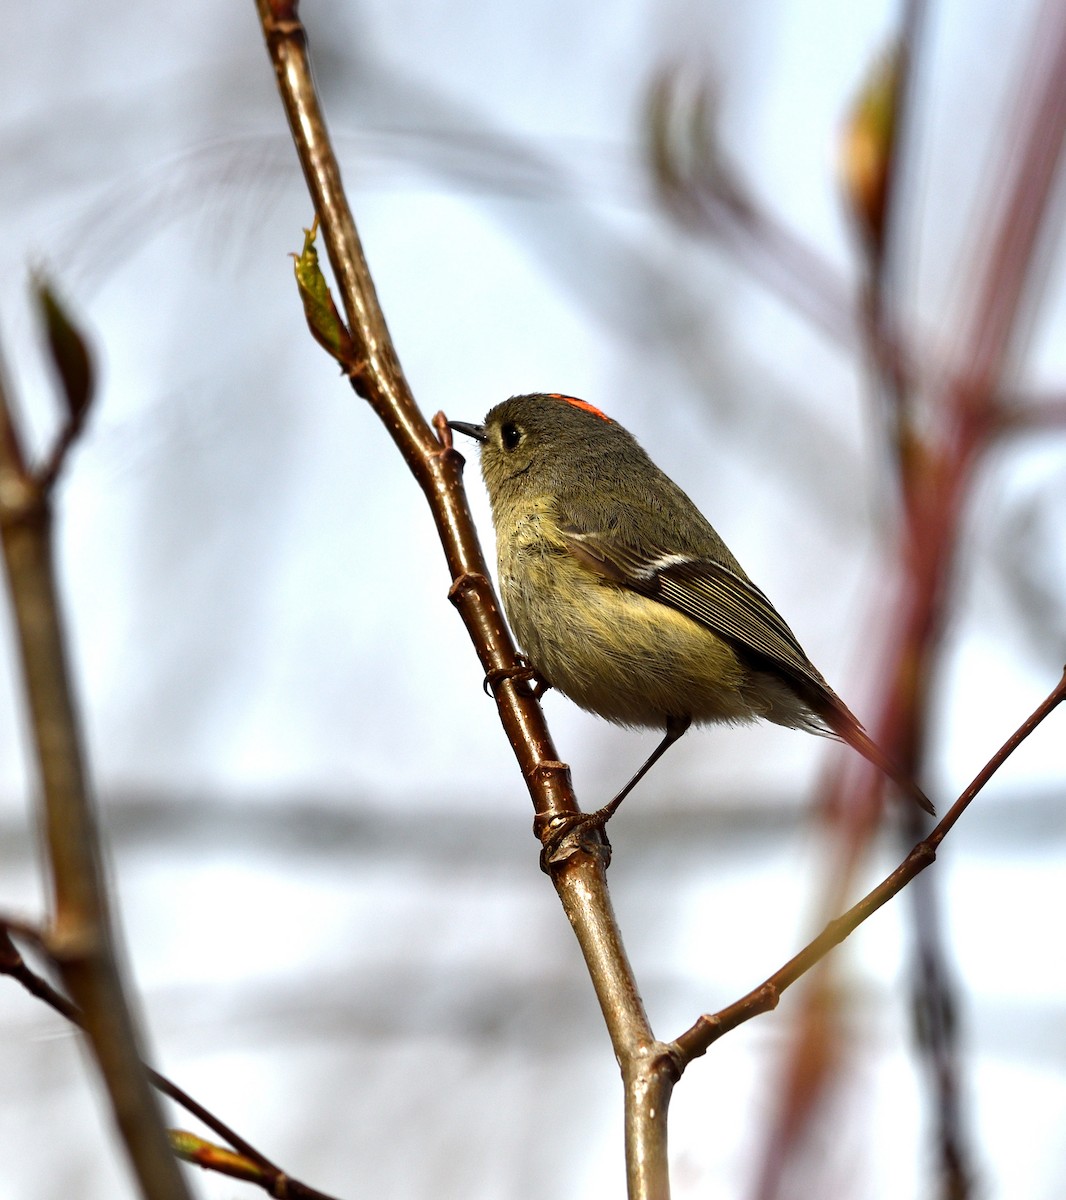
{"x": 584, "y": 404}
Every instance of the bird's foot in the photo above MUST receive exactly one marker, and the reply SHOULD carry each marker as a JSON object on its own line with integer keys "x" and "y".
{"x": 564, "y": 835}
{"x": 522, "y": 672}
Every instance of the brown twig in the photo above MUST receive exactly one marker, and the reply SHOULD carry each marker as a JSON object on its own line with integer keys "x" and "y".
{"x": 578, "y": 872}
{"x": 206, "y": 1155}
{"x": 13, "y": 964}
{"x": 710, "y": 1027}
{"x": 259, "y": 1169}
{"x": 80, "y": 938}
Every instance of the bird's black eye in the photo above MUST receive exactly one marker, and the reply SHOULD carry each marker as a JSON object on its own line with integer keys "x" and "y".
{"x": 510, "y": 435}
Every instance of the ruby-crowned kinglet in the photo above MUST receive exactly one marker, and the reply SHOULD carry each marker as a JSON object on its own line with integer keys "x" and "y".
{"x": 623, "y": 597}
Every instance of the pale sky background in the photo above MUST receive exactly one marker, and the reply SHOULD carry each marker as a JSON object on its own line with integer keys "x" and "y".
{"x": 319, "y": 841}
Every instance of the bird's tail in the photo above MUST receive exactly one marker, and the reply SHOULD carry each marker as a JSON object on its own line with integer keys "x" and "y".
{"x": 846, "y": 726}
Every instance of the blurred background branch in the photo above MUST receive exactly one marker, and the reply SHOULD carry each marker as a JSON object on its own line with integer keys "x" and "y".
{"x": 79, "y": 937}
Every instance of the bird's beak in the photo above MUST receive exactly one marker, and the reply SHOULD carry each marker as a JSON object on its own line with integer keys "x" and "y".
{"x": 477, "y": 432}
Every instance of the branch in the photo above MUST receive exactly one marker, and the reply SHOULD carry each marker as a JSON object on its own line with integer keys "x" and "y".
{"x": 710, "y": 1027}
{"x": 579, "y": 870}
{"x": 80, "y": 939}
{"x": 210, "y": 1157}
{"x": 255, "y": 1166}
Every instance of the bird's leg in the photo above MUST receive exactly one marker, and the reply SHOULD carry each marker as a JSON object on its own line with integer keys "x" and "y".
{"x": 582, "y": 822}
{"x": 675, "y": 728}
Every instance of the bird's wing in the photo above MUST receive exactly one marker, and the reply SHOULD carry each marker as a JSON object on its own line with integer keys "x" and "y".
{"x": 710, "y": 592}
{"x": 725, "y": 601}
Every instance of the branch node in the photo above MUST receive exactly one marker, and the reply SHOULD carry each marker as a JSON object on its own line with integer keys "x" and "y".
{"x": 562, "y": 835}
{"x": 284, "y": 22}
{"x": 545, "y": 768}
{"x": 449, "y": 457}
{"x": 21, "y": 499}
{"x": 469, "y": 581}
{"x": 673, "y": 1060}
{"x": 924, "y": 853}
{"x": 77, "y": 943}
{"x": 355, "y": 372}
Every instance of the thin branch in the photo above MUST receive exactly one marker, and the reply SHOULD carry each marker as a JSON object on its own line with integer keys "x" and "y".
{"x": 12, "y": 963}
{"x": 80, "y": 939}
{"x": 267, "y": 1174}
{"x": 710, "y": 1027}
{"x": 579, "y": 872}
{"x": 209, "y": 1157}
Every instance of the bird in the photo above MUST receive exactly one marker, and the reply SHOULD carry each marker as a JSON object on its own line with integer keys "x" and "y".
{"x": 622, "y": 596}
